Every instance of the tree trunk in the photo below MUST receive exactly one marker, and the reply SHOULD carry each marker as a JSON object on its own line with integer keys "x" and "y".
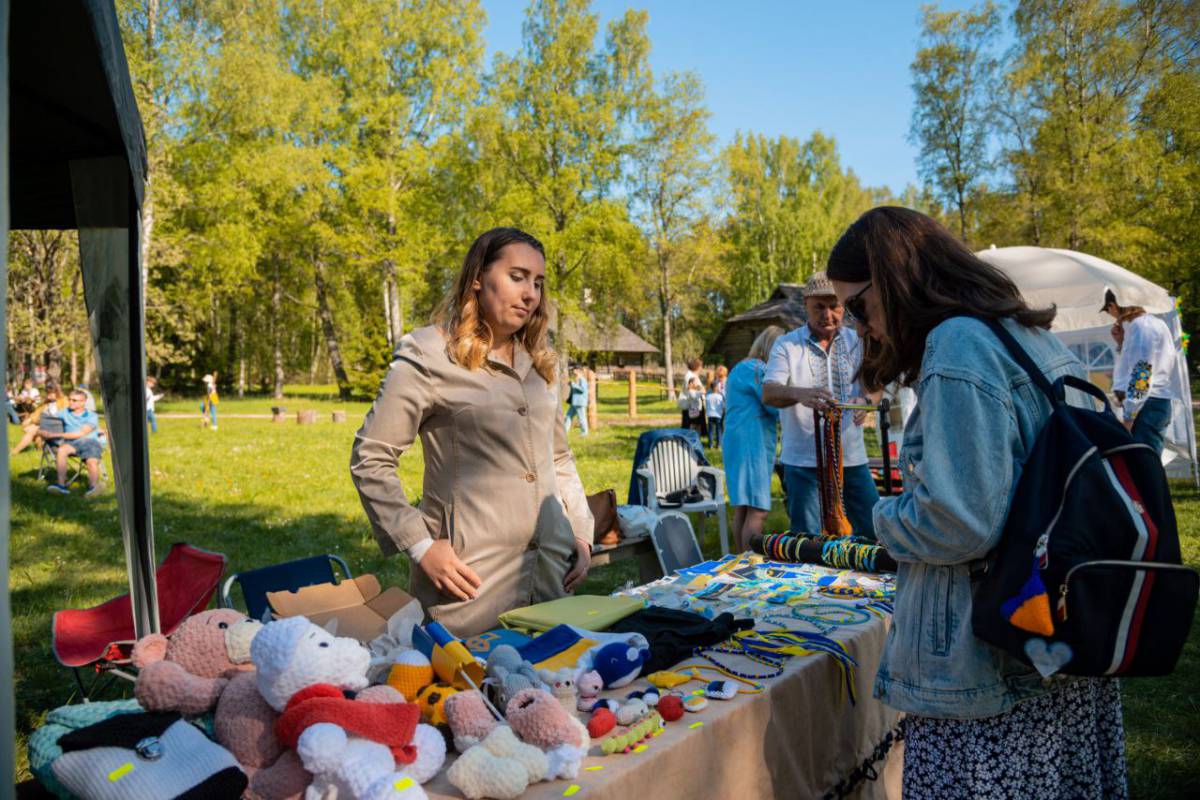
{"x": 277, "y": 331}
{"x": 397, "y": 315}
{"x": 329, "y": 331}
{"x": 387, "y": 307}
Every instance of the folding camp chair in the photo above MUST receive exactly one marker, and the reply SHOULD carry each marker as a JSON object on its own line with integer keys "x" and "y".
{"x": 290, "y": 575}
{"x": 672, "y": 471}
{"x": 675, "y": 543}
{"x": 102, "y": 636}
{"x": 48, "y": 464}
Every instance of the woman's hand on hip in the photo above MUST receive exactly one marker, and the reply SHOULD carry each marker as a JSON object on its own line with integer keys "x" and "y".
{"x": 449, "y": 574}
{"x": 583, "y": 559}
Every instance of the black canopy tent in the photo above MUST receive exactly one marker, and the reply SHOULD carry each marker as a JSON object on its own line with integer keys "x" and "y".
{"x": 77, "y": 159}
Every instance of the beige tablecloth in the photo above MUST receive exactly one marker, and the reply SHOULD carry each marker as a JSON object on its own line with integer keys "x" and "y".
{"x": 798, "y": 739}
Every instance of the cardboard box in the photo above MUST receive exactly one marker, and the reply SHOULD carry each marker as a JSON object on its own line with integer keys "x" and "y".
{"x": 361, "y": 606}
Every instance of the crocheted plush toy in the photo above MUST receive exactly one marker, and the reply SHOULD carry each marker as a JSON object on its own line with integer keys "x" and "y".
{"x": 432, "y": 699}
{"x": 293, "y": 656}
{"x": 589, "y": 685}
{"x": 510, "y": 673}
{"x": 619, "y": 664}
{"x": 500, "y": 767}
{"x": 562, "y": 686}
{"x": 469, "y": 718}
{"x": 350, "y": 768}
{"x": 540, "y": 720}
{"x": 188, "y": 672}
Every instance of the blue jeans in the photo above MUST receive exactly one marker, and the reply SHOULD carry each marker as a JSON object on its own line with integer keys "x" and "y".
{"x": 715, "y": 429}
{"x": 580, "y": 413}
{"x": 804, "y": 501}
{"x": 13, "y": 416}
{"x": 1151, "y": 422}
{"x": 153, "y": 420}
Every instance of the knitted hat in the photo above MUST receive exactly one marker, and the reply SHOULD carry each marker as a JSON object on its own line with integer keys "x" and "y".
{"x": 410, "y": 673}
{"x": 819, "y": 286}
{"x": 146, "y": 757}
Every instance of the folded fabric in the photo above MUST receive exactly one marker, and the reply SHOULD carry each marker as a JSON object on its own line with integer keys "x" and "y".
{"x": 44, "y": 747}
{"x": 573, "y": 647}
{"x": 590, "y": 612}
{"x": 484, "y": 643}
{"x": 673, "y": 635}
{"x": 154, "y": 756}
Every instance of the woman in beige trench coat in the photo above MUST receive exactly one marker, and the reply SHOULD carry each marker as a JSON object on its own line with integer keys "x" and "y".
{"x": 503, "y": 521}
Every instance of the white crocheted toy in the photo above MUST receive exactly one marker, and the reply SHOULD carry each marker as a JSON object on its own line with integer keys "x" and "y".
{"x": 350, "y": 768}
{"x": 292, "y": 654}
{"x": 500, "y": 767}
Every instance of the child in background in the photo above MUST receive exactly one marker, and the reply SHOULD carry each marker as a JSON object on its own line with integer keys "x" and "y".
{"x": 151, "y": 399}
{"x": 577, "y": 403}
{"x": 208, "y": 406}
{"x": 714, "y": 409}
{"x": 694, "y": 397}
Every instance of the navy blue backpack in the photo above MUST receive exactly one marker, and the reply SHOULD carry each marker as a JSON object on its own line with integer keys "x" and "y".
{"x": 1087, "y": 577}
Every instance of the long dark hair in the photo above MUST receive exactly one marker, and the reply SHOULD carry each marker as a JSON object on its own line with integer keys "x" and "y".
{"x": 469, "y": 336}
{"x": 924, "y": 275}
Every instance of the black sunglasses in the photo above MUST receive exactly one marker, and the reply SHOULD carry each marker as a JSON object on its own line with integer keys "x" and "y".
{"x": 857, "y": 306}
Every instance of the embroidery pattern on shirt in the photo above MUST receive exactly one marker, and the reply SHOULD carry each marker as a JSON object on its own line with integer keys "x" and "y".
{"x": 1139, "y": 380}
{"x": 820, "y": 362}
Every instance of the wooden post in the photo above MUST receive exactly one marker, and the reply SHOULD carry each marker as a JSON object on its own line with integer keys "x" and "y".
{"x": 591, "y": 407}
{"x": 339, "y": 416}
{"x": 632, "y": 393}
{"x": 307, "y": 417}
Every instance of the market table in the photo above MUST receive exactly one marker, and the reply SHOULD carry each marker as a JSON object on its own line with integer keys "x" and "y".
{"x": 800, "y": 738}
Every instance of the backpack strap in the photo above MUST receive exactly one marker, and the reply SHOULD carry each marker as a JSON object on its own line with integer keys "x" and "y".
{"x": 1021, "y": 357}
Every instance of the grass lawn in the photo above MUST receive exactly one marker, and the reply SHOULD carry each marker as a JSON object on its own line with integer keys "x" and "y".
{"x": 263, "y": 493}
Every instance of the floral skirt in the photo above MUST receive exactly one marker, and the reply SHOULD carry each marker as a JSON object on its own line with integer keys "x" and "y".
{"x": 1066, "y": 744}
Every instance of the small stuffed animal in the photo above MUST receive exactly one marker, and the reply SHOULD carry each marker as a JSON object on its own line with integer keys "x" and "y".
{"x": 469, "y": 718}
{"x": 511, "y": 673}
{"x": 631, "y": 711}
{"x": 500, "y": 767}
{"x": 409, "y": 673}
{"x": 539, "y": 720}
{"x": 589, "y": 685}
{"x": 619, "y": 664}
{"x": 670, "y": 707}
{"x": 432, "y": 700}
{"x": 562, "y": 686}
{"x": 188, "y": 672}
{"x": 352, "y": 768}
{"x": 602, "y": 722}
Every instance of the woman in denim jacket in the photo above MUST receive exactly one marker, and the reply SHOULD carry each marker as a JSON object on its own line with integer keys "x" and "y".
{"x": 980, "y": 723}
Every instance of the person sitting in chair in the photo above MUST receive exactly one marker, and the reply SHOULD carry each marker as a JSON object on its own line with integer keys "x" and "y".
{"x": 82, "y": 437}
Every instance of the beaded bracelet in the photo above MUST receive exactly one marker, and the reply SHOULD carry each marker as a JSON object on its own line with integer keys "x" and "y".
{"x": 818, "y": 614}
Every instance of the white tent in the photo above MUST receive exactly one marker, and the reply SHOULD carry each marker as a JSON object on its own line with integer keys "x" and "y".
{"x": 1075, "y": 283}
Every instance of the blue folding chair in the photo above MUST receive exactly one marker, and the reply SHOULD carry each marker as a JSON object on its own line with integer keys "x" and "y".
{"x": 290, "y": 575}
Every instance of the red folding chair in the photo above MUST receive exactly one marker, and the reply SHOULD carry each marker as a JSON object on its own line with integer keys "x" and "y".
{"x": 102, "y": 636}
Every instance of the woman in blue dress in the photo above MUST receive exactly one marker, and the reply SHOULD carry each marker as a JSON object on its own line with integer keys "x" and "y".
{"x": 749, "y": 443}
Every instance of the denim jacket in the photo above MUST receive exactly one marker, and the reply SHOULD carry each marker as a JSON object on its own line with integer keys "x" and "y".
{"x": 977, "y": 417}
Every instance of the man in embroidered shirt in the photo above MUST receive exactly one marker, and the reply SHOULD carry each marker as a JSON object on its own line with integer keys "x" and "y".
{"x": 1143, "y": 379}
{"x": 809, "y": 368}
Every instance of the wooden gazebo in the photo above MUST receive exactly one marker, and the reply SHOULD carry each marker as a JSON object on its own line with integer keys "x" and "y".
{"x": 785, "y": 308}
{"x": 613, "y": 344}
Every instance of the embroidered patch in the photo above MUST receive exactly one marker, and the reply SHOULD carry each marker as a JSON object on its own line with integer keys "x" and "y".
{"x": 1048, "y": 657}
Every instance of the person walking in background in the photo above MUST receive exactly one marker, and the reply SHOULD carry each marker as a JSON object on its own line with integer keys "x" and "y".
{"x": 979, "y": 723}
{"x": 208, "y": 406}
{"x": 714, "y": 413}
{"x": 151, "y": 399}
{"x": 748, "y": 446}
{"x": 577, "y": 400}
{"x": 814, "y": 367}
{"x": 1144, "y": 376}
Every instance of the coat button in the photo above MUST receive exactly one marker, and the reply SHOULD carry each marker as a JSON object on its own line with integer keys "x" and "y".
{"x": 522, "y": 411}
{"x": 529, "y": 476}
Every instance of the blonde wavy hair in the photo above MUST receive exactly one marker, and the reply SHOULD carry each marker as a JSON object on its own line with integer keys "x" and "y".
{"x": 761, "y": 349}
{"x": 469, "y": 337}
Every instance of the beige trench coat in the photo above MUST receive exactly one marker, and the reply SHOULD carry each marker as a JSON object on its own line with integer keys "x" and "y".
{"x": 500, "y": 482}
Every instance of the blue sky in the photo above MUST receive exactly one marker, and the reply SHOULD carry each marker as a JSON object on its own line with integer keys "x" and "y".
{"x": 784, "y": 67}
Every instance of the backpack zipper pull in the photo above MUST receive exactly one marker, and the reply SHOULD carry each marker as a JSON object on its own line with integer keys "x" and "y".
{"x": 1062, "y": 602}
{"x": 1042, "y": 551}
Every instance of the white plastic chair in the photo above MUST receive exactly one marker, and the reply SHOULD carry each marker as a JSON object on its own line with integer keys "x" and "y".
{"x": 672, "y": 467}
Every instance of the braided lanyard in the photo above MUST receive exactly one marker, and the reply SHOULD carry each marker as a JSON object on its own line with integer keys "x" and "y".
{"x": 827, "y": 430}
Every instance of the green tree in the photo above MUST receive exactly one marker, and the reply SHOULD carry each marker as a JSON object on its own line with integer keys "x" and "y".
{"x": 954, "y": 73}
{"x": 670, "y": 179}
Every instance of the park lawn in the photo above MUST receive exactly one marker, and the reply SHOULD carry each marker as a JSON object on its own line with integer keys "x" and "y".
{"x": 263, "y": 493}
